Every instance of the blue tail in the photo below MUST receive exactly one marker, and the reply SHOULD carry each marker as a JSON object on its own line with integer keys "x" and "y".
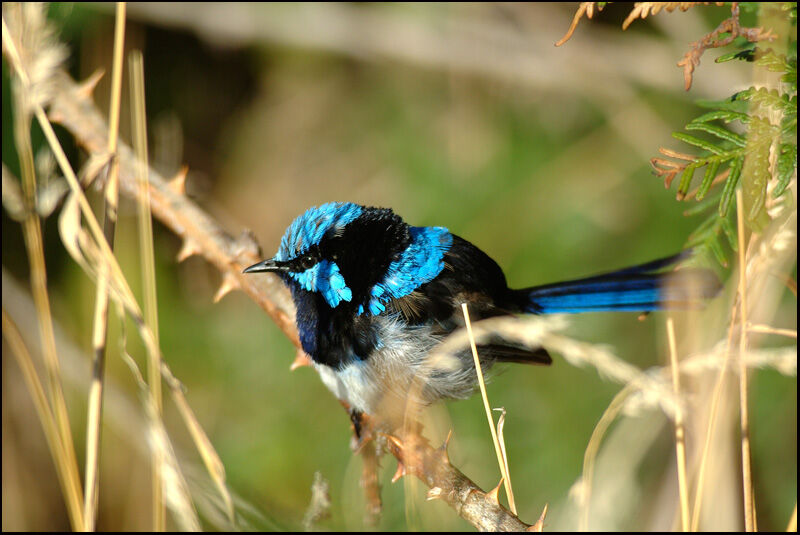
{"x": 639, "y": 288}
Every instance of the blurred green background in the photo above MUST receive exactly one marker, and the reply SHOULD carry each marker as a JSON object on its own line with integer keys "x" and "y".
{"x": 464, "y": 116}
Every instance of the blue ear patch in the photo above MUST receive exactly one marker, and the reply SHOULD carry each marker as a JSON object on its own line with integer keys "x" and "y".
{"x": 308, "y": 229}
{"x": 324, "y": 277}
{"x": 421, "y": 262}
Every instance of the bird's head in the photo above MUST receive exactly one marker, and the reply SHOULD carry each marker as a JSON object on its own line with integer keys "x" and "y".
{"x": 362, "y": 256}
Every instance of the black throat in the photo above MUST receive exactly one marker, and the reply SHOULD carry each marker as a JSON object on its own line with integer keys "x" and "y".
{"x": 363, "y": 252}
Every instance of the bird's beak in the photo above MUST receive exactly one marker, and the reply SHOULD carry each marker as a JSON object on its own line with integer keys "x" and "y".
{"x": 267, "y": 265}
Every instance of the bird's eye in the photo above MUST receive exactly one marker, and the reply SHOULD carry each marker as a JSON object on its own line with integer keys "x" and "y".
{"x": 307, "y": 261}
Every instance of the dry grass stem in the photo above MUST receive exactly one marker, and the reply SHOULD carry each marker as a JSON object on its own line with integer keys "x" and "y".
{"x": 766, "y": 329}
{"x": 139, "y": 122}
{"x": 49, "y": 425}
{"x": 747, "y": 482}
{"x": 92, "y": 252}
{"x": 501, "y": 422}
{"x": 100, "y": 326}
{"x": 175, "y": 489}
{"x": 486, "y": 406}
{"x": 582, "y": 490}
{"x": 30, "y": 28}
{"x": 680, "y": 431}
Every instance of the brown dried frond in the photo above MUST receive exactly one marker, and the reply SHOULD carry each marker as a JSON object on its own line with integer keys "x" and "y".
{"x": 667, "y": 169}
{"x": 645, "y": 9}
{"x": 640, "y": 10}
{"x": 40, "y": 54}
{"x": 586, "y": 8}
{"x": 712, "y": 40}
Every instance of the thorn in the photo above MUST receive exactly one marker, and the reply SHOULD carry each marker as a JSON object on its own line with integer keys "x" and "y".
{"x": 396, "y": 442}
{"x": 300, "y": 360}
{"x": 55, "y": 115}
{"x": 492, "y": 494}
{"x": 86, "y": 88}
{"x": 643, "y": 316}
{"x": 443, "y": 448}
{"x": 229, "y": 283}
{"x": 247, "y": 244}
{"x": 434, "y": 493}
{"x": 401, "y": 471}
{"x": 177, "y": 184}
{"x": 187, "y": 249}
{"x": 96, "y": 168}
{"x": 538, "y": 527}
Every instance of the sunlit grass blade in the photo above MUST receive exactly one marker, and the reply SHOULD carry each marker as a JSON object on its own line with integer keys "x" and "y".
{"x": 100, "y": 327}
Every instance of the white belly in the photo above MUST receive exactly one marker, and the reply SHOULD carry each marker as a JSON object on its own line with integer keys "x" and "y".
{"x": 398, "y": 375}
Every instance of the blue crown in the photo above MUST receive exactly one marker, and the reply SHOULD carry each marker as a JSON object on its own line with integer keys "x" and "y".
{"x": 309, "y": 228}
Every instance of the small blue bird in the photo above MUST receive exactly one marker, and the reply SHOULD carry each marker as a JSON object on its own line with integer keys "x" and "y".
{"x": 375, "y": 295}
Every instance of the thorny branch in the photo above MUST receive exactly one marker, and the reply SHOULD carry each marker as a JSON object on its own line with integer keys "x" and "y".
{"x": 73, "y": 108}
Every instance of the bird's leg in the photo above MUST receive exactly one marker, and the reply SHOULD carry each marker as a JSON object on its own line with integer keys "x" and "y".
{"x": 356, "y": 417}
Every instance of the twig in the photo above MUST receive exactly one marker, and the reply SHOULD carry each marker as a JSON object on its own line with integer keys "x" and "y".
{"x": 370, "y": 457}
{"x": 447, "y": 483}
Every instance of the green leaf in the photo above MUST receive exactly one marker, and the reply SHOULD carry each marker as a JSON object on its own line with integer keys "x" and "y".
{"x": 718, "y": 131}
{"x": 730, "y": 232}
{"x": 686, "y": 178}
{"x": 773, "y": 62}
{"x": 708, "y": 178}
{"x": 701, "y": 206}
{"x": 771, "y": 99}
{"x": 724, "y": 115}
{"x": 746, "y": 55}
{"x": 787, "y": 163}
{"x": 733, "y": 104}
{"x": 696, "y": 141}
{"x": 730, "y": 186}
{"x": 719, "y": 254}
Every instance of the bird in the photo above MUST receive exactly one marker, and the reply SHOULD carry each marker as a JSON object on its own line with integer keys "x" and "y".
{"x": 374, "y": 296}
